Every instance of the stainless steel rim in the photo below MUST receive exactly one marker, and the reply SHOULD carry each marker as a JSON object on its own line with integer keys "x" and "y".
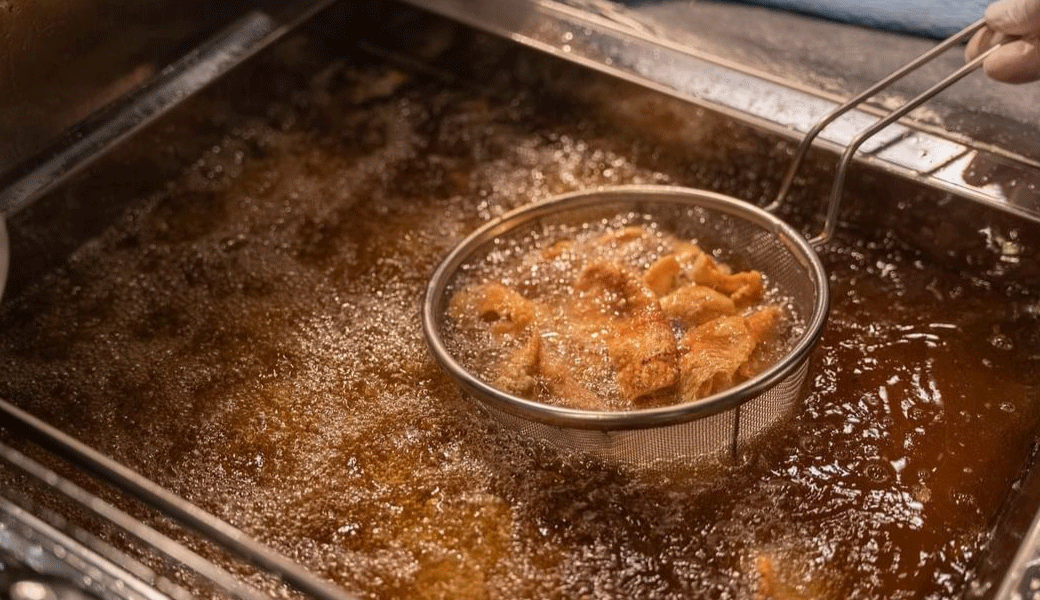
{"x": 5, "y": 254}
{"x": 433, "y": 310}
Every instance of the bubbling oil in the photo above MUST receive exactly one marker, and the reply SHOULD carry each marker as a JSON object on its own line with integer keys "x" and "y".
{"x": 248, "y": 337}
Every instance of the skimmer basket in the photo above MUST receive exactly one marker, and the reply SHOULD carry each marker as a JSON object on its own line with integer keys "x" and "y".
{"x": 707, "y": 427}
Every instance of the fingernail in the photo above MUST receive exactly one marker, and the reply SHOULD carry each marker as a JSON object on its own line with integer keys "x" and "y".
{"x": 978, "y": 43}
{"x": 1015, "y": 62}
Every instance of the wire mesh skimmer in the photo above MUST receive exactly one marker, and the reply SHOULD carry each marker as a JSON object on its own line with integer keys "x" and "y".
{"x": 718, "y": 426}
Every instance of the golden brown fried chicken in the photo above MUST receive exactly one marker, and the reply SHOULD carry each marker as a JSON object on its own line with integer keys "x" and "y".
{"x": 719, "y": 353}
{"x": 559, "y": 377}
{"x": 504, "y": 309}
{"x": 639, "y": 341}
{"x": 763, "y": 322}
{"x": 744, "y": 288}
{"x": 762, "y": 327}
{"x": 609, "y": 341}
{"x": 518, "y": 371}
{"x": 711, "y": 355}
{"x": 692, "y": 305}
{"x": 556, "y": 250}
{"x": 660, "y": 277}
{"x": 623, "y": 235}
{"x": 687, "y": 252}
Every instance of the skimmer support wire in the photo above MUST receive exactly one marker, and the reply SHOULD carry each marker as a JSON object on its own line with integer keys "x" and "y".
{"x": 834, "y": 201}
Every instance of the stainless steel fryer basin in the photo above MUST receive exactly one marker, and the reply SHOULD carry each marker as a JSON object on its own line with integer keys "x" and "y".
{"x": 341, "y": 147}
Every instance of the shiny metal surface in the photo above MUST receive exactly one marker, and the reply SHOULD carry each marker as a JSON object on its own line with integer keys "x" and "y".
{"x": 637, "y": 44}
{"x": 807, "y": 141}
{"x": 62, "y": 61}
{"x": 152, "y": 538}
{"x": 838, "y": 187}
{"x": 146, "y": 102}
{"x": 5, "y": 255}
{"x": 1022, "y": 580}
{"x": 34, "y": 551}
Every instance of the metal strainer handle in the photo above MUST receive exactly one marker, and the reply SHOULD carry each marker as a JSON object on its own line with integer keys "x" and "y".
{"x": 839, "y": 178}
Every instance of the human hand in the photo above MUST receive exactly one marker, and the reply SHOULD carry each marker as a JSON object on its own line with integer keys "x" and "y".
{"x": 1017, "y": 61}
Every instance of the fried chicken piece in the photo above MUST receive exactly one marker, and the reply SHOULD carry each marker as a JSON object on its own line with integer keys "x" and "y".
{"x": 692, "y": 305}
{"x": 616, "y": 328}
{"x": 750, "y": 290}
{"x": 639, "y": 341}
{"x": 506, "y": 310}
{"x": 720, "y": 353}
{"x": 645, "y": 360}
{"x": 711, "y": 356}
{"x": 518, "y": 371}
{"x": 687, "y": 252}
{"x": 660, "y": 277}
{"x": 626, "y": 245}
{"x": 623, "y": 235}
{"x": 762, "y": 327}
{"x": 559, "y": 378}
{"x": 530, "y": 367}
{"x": 762, "y": 323}
{"x": 744, "y": 288}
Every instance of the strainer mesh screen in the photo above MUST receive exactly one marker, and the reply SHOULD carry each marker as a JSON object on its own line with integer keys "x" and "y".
{"x": 709, "y": 438}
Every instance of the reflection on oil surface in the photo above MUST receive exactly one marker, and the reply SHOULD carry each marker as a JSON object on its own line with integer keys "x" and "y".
{"x": 248, "y": 336}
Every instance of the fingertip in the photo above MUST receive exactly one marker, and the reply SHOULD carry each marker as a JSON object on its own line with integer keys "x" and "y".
{"x": 1015, "y": 62}
{"x": 978, "y": 43}
{"x": 996, "y": 14}
{"x": 1014, "y": 17}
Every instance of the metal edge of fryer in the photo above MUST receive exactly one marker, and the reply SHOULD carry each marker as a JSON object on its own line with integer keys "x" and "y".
{"x": 616, "y": 41}
{"x": 87, "y": 141}
{"x": 5, "y": 255}
{"x": 1022, "y": 579}
{"x": 611, "y": 41}
{"x": 189, "y": 516}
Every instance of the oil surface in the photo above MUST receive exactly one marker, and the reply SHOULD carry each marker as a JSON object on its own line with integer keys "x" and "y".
{"x": 248, "y": 336}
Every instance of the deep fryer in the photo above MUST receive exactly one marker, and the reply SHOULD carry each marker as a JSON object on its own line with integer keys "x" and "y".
{"x": 85, "y": 458}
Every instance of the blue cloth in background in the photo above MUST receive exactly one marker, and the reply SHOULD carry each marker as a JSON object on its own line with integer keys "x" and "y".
{"x": 930, "y": 18}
